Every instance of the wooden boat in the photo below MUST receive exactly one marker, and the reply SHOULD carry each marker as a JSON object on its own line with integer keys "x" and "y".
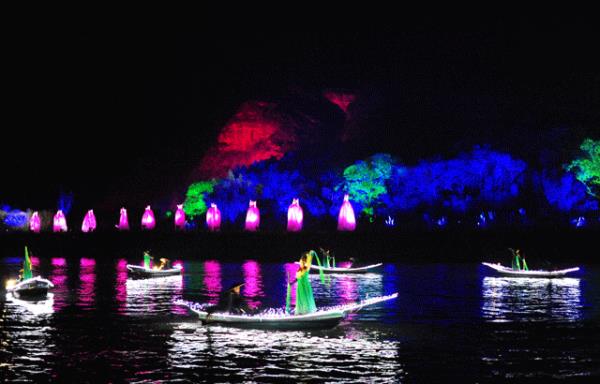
{"x": 142, "y": 272}
{"x": 277, "y": 319}
{"x": 31, "y": 289}
{"x": 531, "y": 273}
{"x": 365, "y": 269}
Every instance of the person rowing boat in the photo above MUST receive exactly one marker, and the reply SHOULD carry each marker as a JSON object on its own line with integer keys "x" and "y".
{"x": 231, "y": 301}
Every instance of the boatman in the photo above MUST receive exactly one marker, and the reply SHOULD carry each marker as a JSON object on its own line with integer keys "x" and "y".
{"x": 518, "y": 260}
{"x": 231, "y": 301}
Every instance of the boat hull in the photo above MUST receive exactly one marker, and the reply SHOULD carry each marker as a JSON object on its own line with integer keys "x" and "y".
{"x": 366, "y": 269}
{"x": 533, "y": 273}
{"x": 144, "y": 273}
{"x": 32, "y": 289}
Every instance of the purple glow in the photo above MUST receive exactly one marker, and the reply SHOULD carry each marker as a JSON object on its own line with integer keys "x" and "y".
{"x": 148, "y": 221}
{"x": 121, "y": 285}
{"x": 212, "y": 280}
{"x": 179, "y": 217}
{"x": 87, "y": 278}
{"x": 35, "y": 223}
{"x": 213, "y": 218}
{"x": 252, "y": 217}
{"x": 123, "y": 221}
{"x": 347, "y": 289}
{"x": 290, "y": 270}
{"x": 295, "y": 216}
{"x": 346, "y": 218}
{"x": 59, "y": 279}
{"x": 252, "y": 282}
{"x": 60, "y": 222}
{"x": 89, "y": 222}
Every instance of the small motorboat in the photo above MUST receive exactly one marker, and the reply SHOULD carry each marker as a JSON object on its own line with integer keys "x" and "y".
{"x": 145, "y": 273}
{"x": 365, "y": 269}
{"x": 30, "y": 289}
{"x": 278, "y": 319}
{"x": 530, "y": 273}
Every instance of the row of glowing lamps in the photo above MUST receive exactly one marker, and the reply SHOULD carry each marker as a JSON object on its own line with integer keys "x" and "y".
{"x": 346, "y": 219}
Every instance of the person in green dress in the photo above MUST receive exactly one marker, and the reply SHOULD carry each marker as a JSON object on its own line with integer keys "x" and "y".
{"x": 305, "y": 301}
{"x": 518, "y": 261}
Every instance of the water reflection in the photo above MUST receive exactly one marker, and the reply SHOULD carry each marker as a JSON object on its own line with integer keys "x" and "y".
{"x": 153, "y": 296}
{"x": 24, "y": 308}
{"x": 530, "y": 299}
{"x": 86, "y": 294}
{"x": 252, "y": 288}
{"x": 212, "y": 280}
{"x": 229, "y": 354}
{"x": 58, "y": 277}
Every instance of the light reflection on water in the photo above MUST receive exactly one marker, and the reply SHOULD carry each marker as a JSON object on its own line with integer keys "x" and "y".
{"x": 153, "y": 296}
{"x": 345, "y": 355}
{"x": 508, "y": 299}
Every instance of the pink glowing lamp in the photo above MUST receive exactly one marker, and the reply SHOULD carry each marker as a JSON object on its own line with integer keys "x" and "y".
{"x": 89, "y": 222}
{"x": 148, "y": 221}
{"x": 213, "y": 218}
{"x": 59, "y": 222}
{"x": 123, "y": 221}
{"x": 179, "y": 217}
{"x": 295, "y": 216}
{"x": 346, "y": 218}
{"x": 35, "y": 223}
{"x": 252, "y": 217}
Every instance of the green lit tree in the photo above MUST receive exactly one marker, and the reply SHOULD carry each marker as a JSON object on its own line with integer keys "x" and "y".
{"x": 587, "y": 169}
{"x": 365, "y": 180}
{"x": 194, "y": 204}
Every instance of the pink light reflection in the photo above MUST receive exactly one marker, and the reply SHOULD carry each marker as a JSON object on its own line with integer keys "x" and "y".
{"x": 347, "y": 289}
{"x": 178, "y": 293}
{"x": 346, "y": 218}
{"x": 148, "y": 221}
{"x": 252, "y": 217}
{"x": 87, "y": 280}
{"x": 252, "y": 282}
{"x": 35, "y": 223}
{"x": 212, "y": 280}
{"x": 121, "y": 286}
{"x": 58, "y": 277}
{"x": 295, "y": 216}
{"x": 290, "y": 270}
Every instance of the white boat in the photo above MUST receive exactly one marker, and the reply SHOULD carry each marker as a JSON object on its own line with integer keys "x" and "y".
{"x": 365, "y": 269}
{"x": 531, "y": 273}
{"x": 278, "y": 319}
{"x": 34, "y": 288}
{"x": 143, "y": 272}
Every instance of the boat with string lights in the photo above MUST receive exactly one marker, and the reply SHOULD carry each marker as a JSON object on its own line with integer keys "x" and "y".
{"x": 530, "y": 273}
{"x": 279, "y": 319}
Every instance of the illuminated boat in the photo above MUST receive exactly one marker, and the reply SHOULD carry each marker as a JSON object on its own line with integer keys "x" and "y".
{"x": 531, "y": 273}
{"x": 365, "y": 269}
{"x": 277, "y": 318}
{"x": 30, "y": 289}
{"x": 143, "y": 272}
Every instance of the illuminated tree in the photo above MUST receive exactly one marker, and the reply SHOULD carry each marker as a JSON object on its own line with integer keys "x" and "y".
{"x": 365, "y": 181}
{"x": 194, "y": 204}
{"x": 587, "y": 170}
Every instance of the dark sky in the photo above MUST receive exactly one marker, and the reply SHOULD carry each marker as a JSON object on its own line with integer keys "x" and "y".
{"x": 123, "y": 116}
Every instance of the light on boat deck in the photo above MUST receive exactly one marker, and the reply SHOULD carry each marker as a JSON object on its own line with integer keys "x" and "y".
{"x": 10, "y": 283}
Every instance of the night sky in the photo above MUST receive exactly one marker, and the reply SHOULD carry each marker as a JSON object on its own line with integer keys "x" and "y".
{"x": 124, "y": 116}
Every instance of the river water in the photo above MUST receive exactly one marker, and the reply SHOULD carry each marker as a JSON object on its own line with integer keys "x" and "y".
{"x": 450, "y": 321}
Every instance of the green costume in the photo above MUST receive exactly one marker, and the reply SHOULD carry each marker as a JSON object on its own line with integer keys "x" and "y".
{"x": 305, "y": 301}
{"x": 147, "y": 259}
{"x": 27, "y": 273}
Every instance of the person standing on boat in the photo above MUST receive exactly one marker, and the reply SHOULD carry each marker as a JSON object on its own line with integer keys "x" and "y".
{"x": 518, "y": 261}
{"x": 305, "y": 301}
{"x": 164, "y": 264}
{"x": 147, "y": 259}
{"x": 231, "y": 301}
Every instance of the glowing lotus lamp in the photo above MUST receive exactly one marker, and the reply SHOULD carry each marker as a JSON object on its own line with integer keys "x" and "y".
{"x": 148, "y": 221}
{"x": 295, "y": 216}
{"x": 59, "y": 222}
{"x": 123, "y": 221}
{"x": 179, "y": 217}
{"x": 346, "y": 218}
{"x": 35, "y": 223}
{"x": 89, "y": 222}
{"x": 252, "y": 217}
{"x": 213, "y": 218}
